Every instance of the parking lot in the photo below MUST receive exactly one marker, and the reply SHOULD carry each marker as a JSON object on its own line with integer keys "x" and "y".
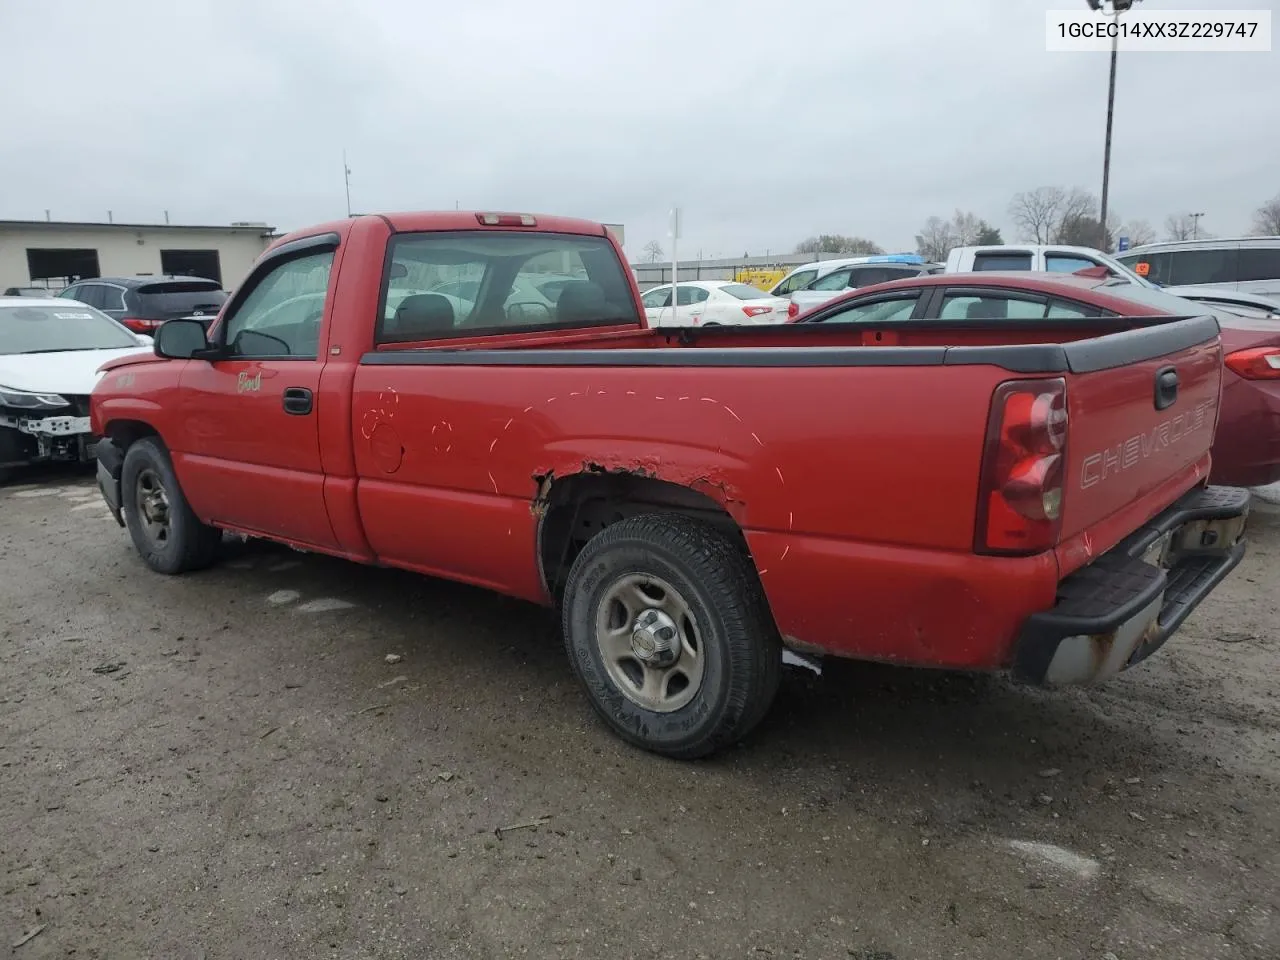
{"x": 227, "y": 765}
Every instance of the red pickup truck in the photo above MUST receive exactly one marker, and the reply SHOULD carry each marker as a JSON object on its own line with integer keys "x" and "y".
{"x": 477, "y": 397}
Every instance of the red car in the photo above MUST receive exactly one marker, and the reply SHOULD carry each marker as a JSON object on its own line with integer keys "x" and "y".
{"x": 1246, "y": 449}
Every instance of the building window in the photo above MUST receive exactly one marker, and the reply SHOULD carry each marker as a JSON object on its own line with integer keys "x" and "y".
{"x": 62, "y": 264}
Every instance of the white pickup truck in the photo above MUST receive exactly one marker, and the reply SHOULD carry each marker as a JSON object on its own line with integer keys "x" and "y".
{"x": 1053, "y": 258}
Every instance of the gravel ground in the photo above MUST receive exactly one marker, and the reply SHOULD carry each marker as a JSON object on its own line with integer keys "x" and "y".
{"x": 227, "y": 765}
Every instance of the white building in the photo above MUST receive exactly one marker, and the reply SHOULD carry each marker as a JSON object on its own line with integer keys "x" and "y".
{"x": 52, "y": 254}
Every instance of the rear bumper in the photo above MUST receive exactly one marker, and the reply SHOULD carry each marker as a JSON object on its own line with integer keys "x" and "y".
{"x": 1121, "y": 608}
{"x": 1246, "y": 446}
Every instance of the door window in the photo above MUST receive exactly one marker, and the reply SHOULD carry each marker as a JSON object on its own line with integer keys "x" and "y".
{"x": 797, "y": 281}
{"x": 281, "y": 315}
{"x": 989, "y": 306}
{"x": 655, "y": 299}
{"x": 838, "y": 280}
{"x": 112, "y": 298}
{"x": 1058, "y": 309}
{"x": 91, "y": 293}
{"x": 1067, "y": 263}
{"x": 1259, "y": 263}
{"x": 875, "y": 311}
{"x": 1212, "y": 265}
{"x": 866, "y": 276}
{"x": 1156, "y": 267}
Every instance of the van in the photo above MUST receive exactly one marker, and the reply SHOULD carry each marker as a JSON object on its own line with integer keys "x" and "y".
{"x": 1247, "y": 264}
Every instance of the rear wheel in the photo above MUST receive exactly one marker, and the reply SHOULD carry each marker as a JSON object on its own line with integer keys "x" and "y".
{"x": 167, "y": 535}
{"x": 666, "y": 626}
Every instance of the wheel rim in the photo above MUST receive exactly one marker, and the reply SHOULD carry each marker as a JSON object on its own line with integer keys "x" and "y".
{"x": 153, "y": 506}
{"x": 649, "y": 642}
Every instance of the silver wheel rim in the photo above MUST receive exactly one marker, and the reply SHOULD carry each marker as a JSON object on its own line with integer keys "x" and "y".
{"x": 153, "y": 506}
{"x": 649, "y": 642}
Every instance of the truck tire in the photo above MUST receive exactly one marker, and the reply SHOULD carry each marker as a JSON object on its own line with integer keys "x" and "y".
{"x": 666, "y": 626}
{"x": 168, "y": 536}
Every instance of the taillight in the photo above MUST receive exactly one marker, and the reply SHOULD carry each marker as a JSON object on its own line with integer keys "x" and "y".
{"x": 756, "y": 311}
{"x": 793, "y": 309}
{"x": 1020, "y": 497}
{"x": 138, "y": 325}
{"x": 1256, "y": 363}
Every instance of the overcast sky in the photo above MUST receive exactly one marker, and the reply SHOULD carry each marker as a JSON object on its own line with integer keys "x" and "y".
{"x": 768, "y": 122}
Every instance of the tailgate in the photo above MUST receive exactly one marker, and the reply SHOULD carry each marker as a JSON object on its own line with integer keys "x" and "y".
{"x": 1142, "y": 411}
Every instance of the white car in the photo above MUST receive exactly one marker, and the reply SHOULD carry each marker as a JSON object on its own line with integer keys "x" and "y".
{"x": 709, "y": 303}
{"x": 50, "y": 352}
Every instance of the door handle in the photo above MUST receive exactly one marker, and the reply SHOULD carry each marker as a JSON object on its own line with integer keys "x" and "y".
{"x": 297, "y": 401}
{"x": 1166, "y": 388}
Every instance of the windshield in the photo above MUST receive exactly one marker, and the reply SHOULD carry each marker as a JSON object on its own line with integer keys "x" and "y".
{"x": 25, "y": 329}
{"x": 744, "y": 292}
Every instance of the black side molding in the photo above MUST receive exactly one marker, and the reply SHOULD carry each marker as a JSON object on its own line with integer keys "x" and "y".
{"x": 1083, "y": 356}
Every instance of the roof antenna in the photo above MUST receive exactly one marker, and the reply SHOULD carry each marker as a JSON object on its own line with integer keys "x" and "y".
{"x": 346, "y": 178}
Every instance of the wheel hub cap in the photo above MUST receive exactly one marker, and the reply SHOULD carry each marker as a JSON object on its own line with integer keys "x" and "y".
{"x": 655, "y": 639}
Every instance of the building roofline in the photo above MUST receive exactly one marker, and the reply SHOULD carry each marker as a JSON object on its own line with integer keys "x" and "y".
{"x": 264, "y": 230}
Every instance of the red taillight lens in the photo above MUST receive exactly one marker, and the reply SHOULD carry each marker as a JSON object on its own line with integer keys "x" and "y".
{"x": 1020, "y": 498}
{"x": 141, "y": 326}
{"x": 792, "y": 309}
{"x": 756, "y": 311}
{"x": 1256, "y": 363}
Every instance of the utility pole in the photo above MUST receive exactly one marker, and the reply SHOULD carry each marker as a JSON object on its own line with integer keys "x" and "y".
{"x": 675, "y": 236}
{"x": 1195, "y": 225}
{"x": 346, "y": 179}
{"x": 1117, "y": 7}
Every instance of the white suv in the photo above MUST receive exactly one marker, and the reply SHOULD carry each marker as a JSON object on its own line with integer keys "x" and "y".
{"x": 1247, "y": 264}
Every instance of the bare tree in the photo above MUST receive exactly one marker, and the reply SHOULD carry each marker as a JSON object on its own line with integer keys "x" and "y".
{"x": 1055, "y": 215}
{"x": 1139, "y": 232}
{"x": 652, "y": 252}
{"x": 935, "y": 239}
{"x": 1037, "y": 213}
{"x": 1182, "y": 226}
{"x": 966, "y": 227}
{"x": 1266, "y": 219}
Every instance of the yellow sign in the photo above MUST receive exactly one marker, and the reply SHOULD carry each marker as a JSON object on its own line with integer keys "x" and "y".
{"x": 765, "y": 278}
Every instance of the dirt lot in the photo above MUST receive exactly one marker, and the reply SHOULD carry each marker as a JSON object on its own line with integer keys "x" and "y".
{"x": 225, "y": 765}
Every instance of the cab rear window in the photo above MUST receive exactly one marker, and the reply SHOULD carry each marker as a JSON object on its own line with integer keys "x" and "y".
{"x": 473, "y": 283}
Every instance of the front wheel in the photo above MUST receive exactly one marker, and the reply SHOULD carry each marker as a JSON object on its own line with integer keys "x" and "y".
{"x": 667, "y": 629}
{"x": 167, "y": 534}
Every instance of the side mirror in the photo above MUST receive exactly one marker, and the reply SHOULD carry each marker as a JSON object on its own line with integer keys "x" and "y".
{"x": 180, "y": 339}
{"x": 531, "y": 314}
{"x": 399, "y": 271}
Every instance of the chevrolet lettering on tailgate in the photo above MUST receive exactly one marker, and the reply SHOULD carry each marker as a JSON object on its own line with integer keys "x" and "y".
{"x": 1116, "y": 459}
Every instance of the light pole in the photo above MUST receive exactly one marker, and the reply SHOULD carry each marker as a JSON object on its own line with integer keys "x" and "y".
{"x": 1195, "y": 225}
{"x": 1117, "y": 7}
